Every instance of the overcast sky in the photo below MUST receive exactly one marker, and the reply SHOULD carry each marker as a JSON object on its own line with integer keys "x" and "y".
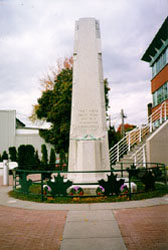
{"x": 34, "y": 34}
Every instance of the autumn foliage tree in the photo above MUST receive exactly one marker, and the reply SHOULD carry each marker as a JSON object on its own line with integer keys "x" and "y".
{"x": 54, "y": 105}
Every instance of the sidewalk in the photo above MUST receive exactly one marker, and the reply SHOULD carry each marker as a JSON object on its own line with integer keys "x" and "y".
{"x": 104, "y": 226}
{"x": 92, "y": 230}
{"x": 5, "y": 200}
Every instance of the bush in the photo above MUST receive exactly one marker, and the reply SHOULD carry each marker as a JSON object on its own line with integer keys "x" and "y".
{"x": 44, "y": 152}
{"x": 37, "y": 160}
{"x": 62, "y": 157}
{"x": 13, "y": 153}
{"x": 4, "y": 156}
{"x": 21, "y": 156}
{"x": 26, "y": 157}
{"x": 44, "y": 162}
{"x": 30, "y": 155}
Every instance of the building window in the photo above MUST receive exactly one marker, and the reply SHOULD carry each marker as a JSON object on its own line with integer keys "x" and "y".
{"x": 155, "y": 99}
{"x": 165, "y": 91}
{"x": 160, "y": 94}
{"x": 160, "y": 63}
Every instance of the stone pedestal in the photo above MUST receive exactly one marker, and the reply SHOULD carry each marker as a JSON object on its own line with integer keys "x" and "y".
{"x": 87, "y": 157}
{"x": 88, "y": 149}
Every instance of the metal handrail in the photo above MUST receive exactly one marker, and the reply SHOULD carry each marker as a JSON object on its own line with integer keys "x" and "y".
{"x": 138, "y": 134}
{"x": 139, "y": 155}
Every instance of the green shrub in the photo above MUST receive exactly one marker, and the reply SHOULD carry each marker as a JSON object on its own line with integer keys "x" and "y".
{"x": 4, "y": 155}
{"x": 62, "y": 157}
{"x": 44, "y": 152}
{"x": 12, "y": 154}
{"x": 30, "y": 155}
{"x": 26, "y": 157}
{"x": 37, "y": 160}
{"x": 21, "y": 156}
{"x": 52, "y": 159}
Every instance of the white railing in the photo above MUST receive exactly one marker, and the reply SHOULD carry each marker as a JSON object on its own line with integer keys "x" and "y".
{"x": 139, "y": 155}
{"x": 137, "y": 135}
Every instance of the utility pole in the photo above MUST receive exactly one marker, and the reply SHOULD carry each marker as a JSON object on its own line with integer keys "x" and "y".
{"x": 122, "y": 122}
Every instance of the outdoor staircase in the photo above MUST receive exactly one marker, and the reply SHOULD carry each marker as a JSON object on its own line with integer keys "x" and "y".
{"x": 131, "y": 149}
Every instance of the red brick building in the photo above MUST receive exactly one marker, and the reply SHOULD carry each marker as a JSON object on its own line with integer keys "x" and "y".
{"x": 157, "y": 56}
{"x": 127, "y": 127}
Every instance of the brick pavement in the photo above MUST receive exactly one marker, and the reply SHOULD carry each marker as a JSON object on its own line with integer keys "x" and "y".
{"x": 10, "y": 180}
{"x": 22, "y": 229}
{"x": 144, "y": 228}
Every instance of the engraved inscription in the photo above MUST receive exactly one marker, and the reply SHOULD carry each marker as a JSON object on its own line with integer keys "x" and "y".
{"x": 88, "y": 118}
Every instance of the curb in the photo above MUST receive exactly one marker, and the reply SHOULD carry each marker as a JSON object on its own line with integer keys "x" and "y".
{"x": 5, "y": 200}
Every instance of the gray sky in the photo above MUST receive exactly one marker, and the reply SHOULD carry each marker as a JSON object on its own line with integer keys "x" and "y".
{"x": 34, "y": 34}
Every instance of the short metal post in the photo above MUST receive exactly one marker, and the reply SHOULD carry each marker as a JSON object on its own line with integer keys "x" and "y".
{"x": 5, "y": 173}
{"x": 42, "y": 193}
{"x": 14, "y": 179}
{"x": 130, "y": 196}
{"x": 146, "y": 165}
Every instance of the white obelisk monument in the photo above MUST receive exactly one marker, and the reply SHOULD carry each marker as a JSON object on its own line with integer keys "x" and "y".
{"x": 88, "y": 149}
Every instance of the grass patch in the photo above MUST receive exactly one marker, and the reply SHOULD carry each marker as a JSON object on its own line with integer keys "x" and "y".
{"x": 35, "y": 190}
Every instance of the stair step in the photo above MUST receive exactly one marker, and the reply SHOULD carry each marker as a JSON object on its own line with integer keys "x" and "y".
{"x": 126, "y": 159}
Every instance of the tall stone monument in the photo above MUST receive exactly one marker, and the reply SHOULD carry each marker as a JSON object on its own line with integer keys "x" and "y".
{"x": 88, "y": 132}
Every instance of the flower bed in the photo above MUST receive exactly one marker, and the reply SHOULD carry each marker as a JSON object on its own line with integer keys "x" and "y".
{"x": 76, "y": 191}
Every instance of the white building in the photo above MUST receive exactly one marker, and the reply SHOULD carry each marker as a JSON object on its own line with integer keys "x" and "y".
{"x": 14, "y": 133}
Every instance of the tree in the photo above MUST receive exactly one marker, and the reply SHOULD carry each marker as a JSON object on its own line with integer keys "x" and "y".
{"x": 52, "y": 159}
{"x": 62, "y": 158}
{"x": 106, "y": 90}
{"x": 55, "y": 107}
{"x": 37, "y": 160}
{"x": 113, "y": 136}
{"x": 44, "y": 152}
{"x": 13, "y": 153}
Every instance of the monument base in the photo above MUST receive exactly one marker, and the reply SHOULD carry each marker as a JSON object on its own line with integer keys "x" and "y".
{"x": 87, "y": 156}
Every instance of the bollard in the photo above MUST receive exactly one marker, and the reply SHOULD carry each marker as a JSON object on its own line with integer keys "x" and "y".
{"x": 5, "y": 173}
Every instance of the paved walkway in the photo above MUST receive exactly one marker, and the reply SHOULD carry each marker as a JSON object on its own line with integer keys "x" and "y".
{"x": 22, "y": 229}
{"x": 134, "y": 225}
{"x": 144, "y": 228}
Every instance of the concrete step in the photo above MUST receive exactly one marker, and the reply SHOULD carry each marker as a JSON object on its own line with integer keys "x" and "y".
{"x": 126, "y": 159}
